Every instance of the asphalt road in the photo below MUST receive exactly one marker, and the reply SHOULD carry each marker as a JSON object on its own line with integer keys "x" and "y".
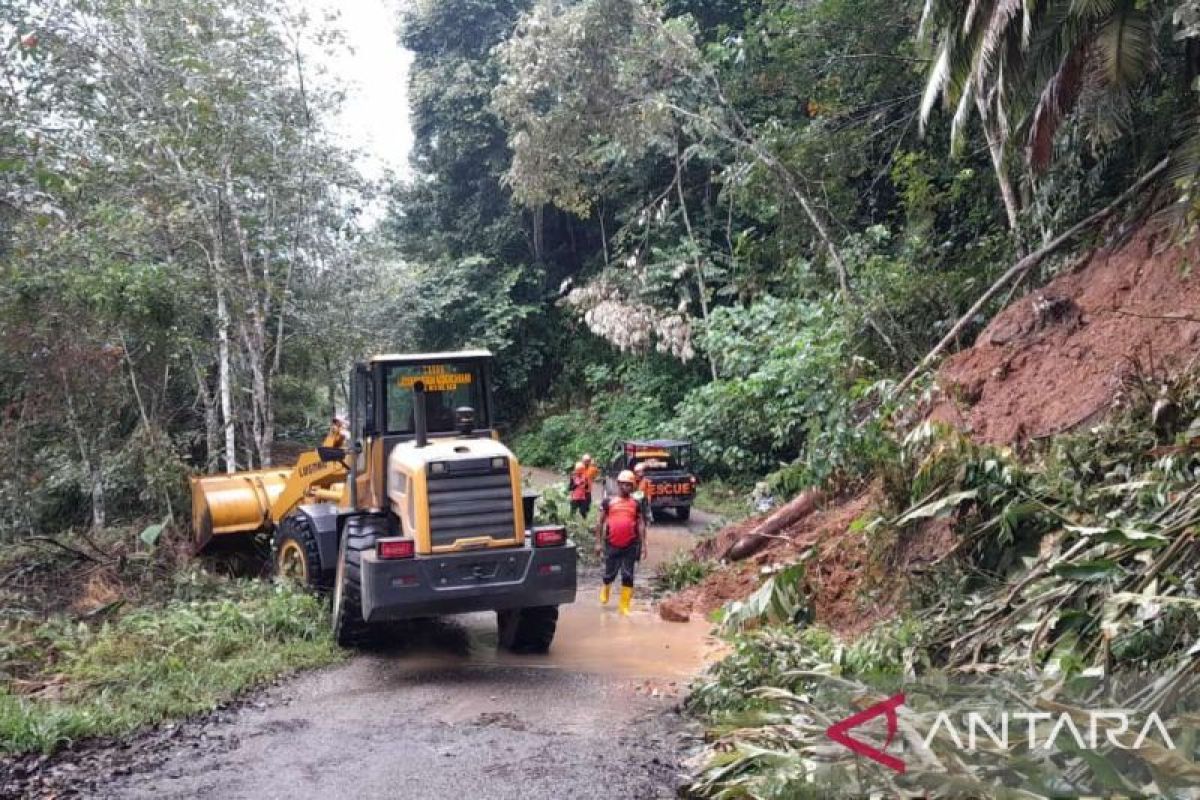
{"x": 448, "y": 716}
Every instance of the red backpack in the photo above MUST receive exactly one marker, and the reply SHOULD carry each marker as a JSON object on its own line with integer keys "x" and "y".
{"x": 580, "y": 488}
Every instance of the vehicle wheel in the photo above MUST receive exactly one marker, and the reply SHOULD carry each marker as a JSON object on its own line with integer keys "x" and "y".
{"x": 349, "y": 628}
{"x": 657, "y": 514}
{"x": 295, "y": 557}
{"x": 684, "y": 513}
{"x": 527, "y": 630}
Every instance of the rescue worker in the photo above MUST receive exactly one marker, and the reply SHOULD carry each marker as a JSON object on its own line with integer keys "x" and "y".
{"x": 622, "y": 533}
{"x": 642, "y": 490}
{"x": 579, "y": 489}
{"x": 590, "y": 470}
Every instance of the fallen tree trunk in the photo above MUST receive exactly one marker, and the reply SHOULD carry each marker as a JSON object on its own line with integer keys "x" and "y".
{"x": 1021, "y": 267}
{"x": 788, "y": 515}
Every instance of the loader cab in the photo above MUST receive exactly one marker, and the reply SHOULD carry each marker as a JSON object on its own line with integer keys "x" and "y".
{"x": 387, "y": 409}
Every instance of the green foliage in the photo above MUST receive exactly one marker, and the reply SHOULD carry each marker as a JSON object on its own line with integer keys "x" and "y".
{"x": 682, "y": 571}
{"x": 554, "y": 508}
{"x": 779, "y": 748}
{"x": 154, "y": 663}
{"x": 783, "y": 657}
{"x": 1092, "y": 524}
{"x": 174, "y": 207}
{"x": 626, "y": 400}
{"x": 779, "y": 600}
{"x": 789, "y": 391}
{"x": 729, "y": 502}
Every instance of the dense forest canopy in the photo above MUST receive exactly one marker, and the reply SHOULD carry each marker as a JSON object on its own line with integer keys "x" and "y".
{"x": 781, "y": 205}
{"x": 732, "y": 221}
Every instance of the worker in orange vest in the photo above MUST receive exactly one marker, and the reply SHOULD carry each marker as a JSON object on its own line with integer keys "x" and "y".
{"x": 590, "y": 470}
{"x": 579, "y": 489}
{"x": 622, "y": 534}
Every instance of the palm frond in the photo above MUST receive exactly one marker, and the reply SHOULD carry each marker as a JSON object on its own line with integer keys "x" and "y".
{"x": 969, "y": 17}
{"x": 1184, "y": 171}
{"x": 1055, "y": 102}
{"x": 958, "y": 126}
{"x": 939, "y": 77}
{"x": 1028, "y": 10}
{"x": 1093, "y": 9}
{"x": 926, "y": 17}
{"x": 1125, "y": 47}
{"x": 999, "y": 28}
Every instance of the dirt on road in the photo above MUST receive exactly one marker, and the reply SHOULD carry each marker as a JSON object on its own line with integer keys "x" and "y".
{"x": 442, "y": 715}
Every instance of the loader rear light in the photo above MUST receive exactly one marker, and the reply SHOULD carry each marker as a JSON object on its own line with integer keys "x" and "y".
{"x": 549, "y": 536}
{"x": 549, "y": 569}
{"x": 389, "y": 549}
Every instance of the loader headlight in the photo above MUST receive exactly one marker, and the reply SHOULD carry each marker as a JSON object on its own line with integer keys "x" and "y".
{"x": 437, "y": 468}
{"x": 500, "y": 462}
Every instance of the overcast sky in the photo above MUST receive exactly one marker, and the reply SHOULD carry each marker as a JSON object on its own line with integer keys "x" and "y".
{"x": 375, "y": 71}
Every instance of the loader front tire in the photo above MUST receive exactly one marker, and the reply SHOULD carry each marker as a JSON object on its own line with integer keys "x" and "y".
{"x": 349, "y": 628}
{"x": 295, "y": 557}
{"x": 527, "y": 630}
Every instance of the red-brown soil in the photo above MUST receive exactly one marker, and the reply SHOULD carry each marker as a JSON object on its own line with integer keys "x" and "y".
{"x": 1053, "y": 360}
{"x": 836, "y": 561}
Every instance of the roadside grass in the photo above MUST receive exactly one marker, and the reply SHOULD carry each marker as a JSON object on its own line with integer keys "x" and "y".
{"x": 682, "y": 571}
{"x": 725, "y": 500}
{"x": 65, "y": 680}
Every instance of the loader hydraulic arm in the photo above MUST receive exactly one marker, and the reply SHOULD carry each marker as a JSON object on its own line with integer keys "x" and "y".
{"x": 313, "y": 476}
{"x": 255, "y": 502}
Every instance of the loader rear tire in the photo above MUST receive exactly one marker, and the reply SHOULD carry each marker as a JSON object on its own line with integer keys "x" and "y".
{"x": 349, "y": 628}
{"x": 527, "y": 630}
{"x": 295, "y": 557}
{"x": 684, "y": 513}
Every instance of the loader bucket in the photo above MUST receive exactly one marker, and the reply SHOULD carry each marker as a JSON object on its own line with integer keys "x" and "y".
{"x": 231, "y": 504}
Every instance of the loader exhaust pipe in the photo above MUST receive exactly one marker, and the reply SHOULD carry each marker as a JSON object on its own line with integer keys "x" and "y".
{"x": 419, "y": 423}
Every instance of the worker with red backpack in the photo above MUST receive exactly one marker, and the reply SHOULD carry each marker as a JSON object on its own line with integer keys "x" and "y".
{"x": 621, "y": 533}
{"x": 579, "y": 489}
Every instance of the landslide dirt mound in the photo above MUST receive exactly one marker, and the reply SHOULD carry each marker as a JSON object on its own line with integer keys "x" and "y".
{"x": 838, "y": 559}
{"x": 1052, "y": 361}
{"x": 1055, "y": 359}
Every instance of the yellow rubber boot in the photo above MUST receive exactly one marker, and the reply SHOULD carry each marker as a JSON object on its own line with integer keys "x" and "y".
{"x": 605, "y": 593}
{"x": 626, "y": 600}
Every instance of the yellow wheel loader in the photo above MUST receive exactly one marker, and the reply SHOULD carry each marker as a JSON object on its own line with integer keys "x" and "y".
{"x": 414, "y": 509}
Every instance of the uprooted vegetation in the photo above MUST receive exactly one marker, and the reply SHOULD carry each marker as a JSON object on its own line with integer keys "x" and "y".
{"x": 1039, "y": 549}
{"x": 1079, "y": 560}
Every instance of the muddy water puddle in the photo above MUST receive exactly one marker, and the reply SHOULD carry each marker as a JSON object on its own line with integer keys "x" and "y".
{"x": 591, "y": 638}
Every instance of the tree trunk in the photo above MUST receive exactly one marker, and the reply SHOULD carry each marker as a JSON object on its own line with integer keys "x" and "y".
{"x": 98, "y": 512}
{"x": 253, "y": 329}
{"x": 996, "y": 142}
{"x": 91, "y": 465}
{"x": 225, "y": 382}
{"x": 212, "y": 423}
{"x": 697, "y": 263}
{"x": 539, "y": 233}
{"x": 775, "y": 525}
{"x": 331, "y": 387}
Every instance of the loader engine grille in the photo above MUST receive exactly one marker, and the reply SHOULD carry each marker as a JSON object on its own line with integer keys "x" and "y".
{"x": 468, "y": 499}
